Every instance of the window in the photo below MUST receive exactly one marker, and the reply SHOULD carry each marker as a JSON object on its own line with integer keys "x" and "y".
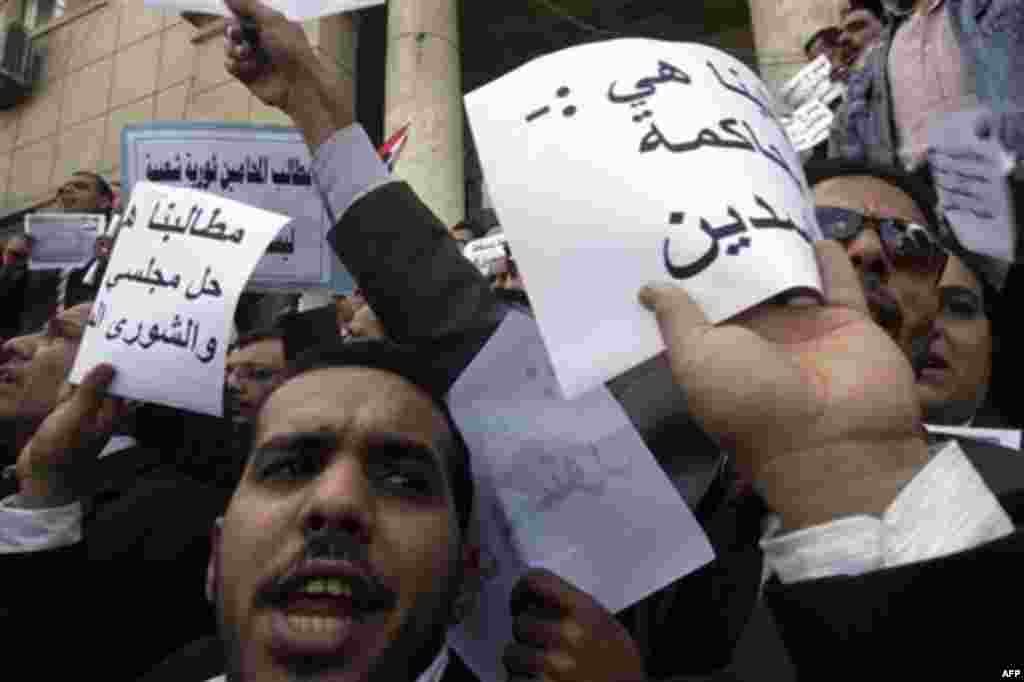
{"x": 41, "y": 12}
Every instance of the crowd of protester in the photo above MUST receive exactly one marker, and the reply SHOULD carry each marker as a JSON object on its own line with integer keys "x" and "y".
{"x": 327, "y": 512}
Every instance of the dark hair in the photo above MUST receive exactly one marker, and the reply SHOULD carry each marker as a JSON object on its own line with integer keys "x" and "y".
{"x": 818, "y": 171}
{"x": 102, "y": 186}
{"x": 104, "y": 189}
{"x": 256, "y": 336}
{"x": 416, "y": 368}
{"x": 830, "y": 34}
{"x": 873, "y": 6}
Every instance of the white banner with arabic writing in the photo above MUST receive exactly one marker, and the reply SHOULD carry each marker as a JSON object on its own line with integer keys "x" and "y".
{"x": 165, "y": 307}
{"x": 296, "y": 10}
{"x": 618, "y": 163}
{"x": 269, "y": 167}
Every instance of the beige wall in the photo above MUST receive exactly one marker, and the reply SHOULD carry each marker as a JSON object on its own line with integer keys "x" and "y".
{"x": 120, "y": 63}
{"x": 780, "y": 29}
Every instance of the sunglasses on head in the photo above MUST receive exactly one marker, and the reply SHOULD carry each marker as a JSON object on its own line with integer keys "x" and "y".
{"x": 908, "y": 246}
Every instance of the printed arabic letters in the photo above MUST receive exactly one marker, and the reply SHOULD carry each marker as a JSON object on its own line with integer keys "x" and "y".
{"x": 774, "y": 222}
{"x": 739, "y": 87}
{"x": 211, "y": 350}
{"x": 116, "y": 329}
{"x": 737, "y": 227}
{"x": 646, "y": 87}
{"x": 699, "y": 265}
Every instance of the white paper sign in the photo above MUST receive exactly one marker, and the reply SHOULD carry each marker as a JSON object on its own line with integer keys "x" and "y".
{"x": 809, "y": 125}
{"x": 567, "y": 486}
{"x": 813, "y": 82}
{"x": 972, "y": 178}
{"x": 485, "y": 253}
{"x": 164, "y": 311}
{"x": 264, "y": 166}
{"x": 296, "y": 10}
{"x": 62, "y": 240}
{"x": 1007, "y": 438}
{"x": 615, "y": 164}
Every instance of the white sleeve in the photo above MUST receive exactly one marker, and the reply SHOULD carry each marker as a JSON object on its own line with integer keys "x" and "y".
{"x": 33, "y": 530}
{"x": 346, "y": 168}
{"x": 946, "y": 508}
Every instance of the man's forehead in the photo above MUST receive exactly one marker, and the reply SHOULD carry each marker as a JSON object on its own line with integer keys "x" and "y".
{"x": 266, "y": 350}
{"x": 78, "y": 314}
{"x": 858, "y": 16}
{"x": 345, "y": 399}
{"x": 868, "y": 195}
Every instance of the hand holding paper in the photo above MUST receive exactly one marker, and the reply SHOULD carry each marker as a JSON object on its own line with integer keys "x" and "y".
{"x": 295, "y": 10}
{"x": 611, "y": 164}
{"x": 563, "y": 634}
{"x": 817, "y": 402}
{"x": 283, "y": 71}
{"x": 53, "y": 465}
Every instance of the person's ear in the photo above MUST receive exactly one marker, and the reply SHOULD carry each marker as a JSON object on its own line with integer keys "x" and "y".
{"x": 213, "y": 565}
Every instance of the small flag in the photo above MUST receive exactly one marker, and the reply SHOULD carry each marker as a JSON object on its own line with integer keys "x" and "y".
{"x": 390, "y": 150}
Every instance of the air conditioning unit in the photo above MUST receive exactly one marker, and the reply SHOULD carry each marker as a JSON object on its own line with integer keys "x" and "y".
{"x": 18, "y": 65}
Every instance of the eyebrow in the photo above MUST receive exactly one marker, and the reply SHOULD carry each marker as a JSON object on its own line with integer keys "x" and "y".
{"x": 377, "y": 443}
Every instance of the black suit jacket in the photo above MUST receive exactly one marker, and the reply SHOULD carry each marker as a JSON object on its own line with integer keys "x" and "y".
{"x": 921, "y": 618}
{"x": 79, "y": 292}
{"x": 203, "y": 660}
{"x": 28, "y": 297}
{"x": 127, "y": 595}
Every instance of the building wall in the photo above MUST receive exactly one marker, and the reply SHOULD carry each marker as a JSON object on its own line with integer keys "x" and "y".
{"x": 112, "y": 63}
{"x": 781, "y": 27}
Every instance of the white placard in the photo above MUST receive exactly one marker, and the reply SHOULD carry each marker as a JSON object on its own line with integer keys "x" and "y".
{"x": 620, "y": 163}
{"x": 296, "y": 10}
{"x": 972, "y": 178}
{"x": 1007, "y": 438}
{"x": 484, "y": 253}
{"x": 567, "y": 486}
{"x": 264, "y": 166}
{"x": 164, "y": 311}
{"x": 809, "y": 125}
{"x": 812, "y": 82}
{"x": 62, "y": 240}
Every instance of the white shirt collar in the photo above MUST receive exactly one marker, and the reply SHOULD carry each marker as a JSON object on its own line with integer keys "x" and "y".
{"x": 433, "y": 673}
{"x": 117, "y": 444}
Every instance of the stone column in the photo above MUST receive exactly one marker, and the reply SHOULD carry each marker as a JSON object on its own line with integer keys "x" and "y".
{"x": 424, "y": 87}
{"x": 335, "y": 39}
{"x": 781, "y": 27}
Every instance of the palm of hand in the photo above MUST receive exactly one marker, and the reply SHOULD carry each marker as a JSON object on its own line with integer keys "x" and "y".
{"x": 807, "y": 376}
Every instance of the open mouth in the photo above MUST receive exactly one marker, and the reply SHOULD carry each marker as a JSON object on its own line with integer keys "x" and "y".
{"x": 932, "y": 369}
{"x": 317, "y": 609}
{"x": 884, "y": 310}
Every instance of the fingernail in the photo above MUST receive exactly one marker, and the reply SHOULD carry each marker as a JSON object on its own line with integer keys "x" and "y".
{"x": 804, "y": 300}
{"x": 648, "y": 295}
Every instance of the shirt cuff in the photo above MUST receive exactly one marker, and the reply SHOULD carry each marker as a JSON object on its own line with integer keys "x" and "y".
{"x": 35, "y": 530}
{"x": 346, "y": 168}
{"x": 946, "y": 508}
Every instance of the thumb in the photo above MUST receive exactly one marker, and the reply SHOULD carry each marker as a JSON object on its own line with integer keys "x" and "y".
{"x": 88, "y": 399}
{"x": 250, "y": 9}
{"x": 678, "y": 315}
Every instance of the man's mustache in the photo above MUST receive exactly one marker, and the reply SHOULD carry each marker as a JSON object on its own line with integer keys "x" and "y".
{"x": 369, "y": 593}
{"x": 884, "y": 309}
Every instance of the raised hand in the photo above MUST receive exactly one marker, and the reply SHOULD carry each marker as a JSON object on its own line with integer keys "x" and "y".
{"x": 54, "y": 466}
{"x": 283, "y": 60}
{"x": 816, "y": 401}
{"x": 563, "y": 635}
